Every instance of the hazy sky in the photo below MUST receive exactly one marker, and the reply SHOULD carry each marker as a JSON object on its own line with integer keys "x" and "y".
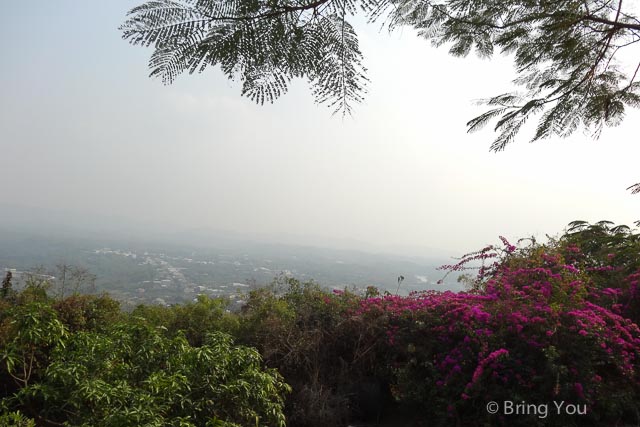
{"x": 83, "y": 129}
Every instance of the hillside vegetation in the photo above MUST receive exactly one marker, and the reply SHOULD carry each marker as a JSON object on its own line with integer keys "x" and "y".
{"x": 539, "y": 323}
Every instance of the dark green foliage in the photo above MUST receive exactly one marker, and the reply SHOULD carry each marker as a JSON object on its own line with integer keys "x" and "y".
{"x": 98, "y": 367}
{"x": 36, "y": 290}
{"x": 134, "y": 376}
{"x": 195, "y": 320}
{"x": 610, "y": 254}
{"x": 330, "y": 358}
{"x": 88, "y": 312}
{"x": 565, "y": 52}
{"x": 28, "y": 333}
{"x": 15, "y": 419}
{"x": 604, "y": 243}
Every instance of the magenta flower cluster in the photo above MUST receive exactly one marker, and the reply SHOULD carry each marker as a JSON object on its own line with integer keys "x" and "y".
{"x": 539, "y": 328}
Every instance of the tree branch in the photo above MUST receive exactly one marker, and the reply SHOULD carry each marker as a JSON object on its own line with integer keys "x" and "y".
{"x": 277, "y": 12}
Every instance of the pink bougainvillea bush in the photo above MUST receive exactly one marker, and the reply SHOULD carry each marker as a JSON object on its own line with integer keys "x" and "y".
{"x": 454, "y": 353}
{"x": 544, "y": 325}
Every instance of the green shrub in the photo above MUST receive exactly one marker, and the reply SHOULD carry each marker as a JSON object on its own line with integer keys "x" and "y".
{"x": 132, "y": 374}
{"x": 324, "y": 352}
{"x": 195, "y": 320}
{"x": 87, "y": 312}
{"x": 16, "y": 419}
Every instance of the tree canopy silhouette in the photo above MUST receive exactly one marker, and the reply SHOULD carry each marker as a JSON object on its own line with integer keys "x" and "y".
{"x": 567, "y": 53}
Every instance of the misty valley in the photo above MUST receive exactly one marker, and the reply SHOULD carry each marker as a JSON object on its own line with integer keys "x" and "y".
{"x": 166, "y": 273}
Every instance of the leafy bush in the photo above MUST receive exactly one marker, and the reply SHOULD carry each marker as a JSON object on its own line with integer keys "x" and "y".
{"x": 325, "y": 353}
{"x": 15, "y": 419}
{"x": 132, "y": 374}
{"x": 195, "y": 320}
{"x": 87, "y": 312}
